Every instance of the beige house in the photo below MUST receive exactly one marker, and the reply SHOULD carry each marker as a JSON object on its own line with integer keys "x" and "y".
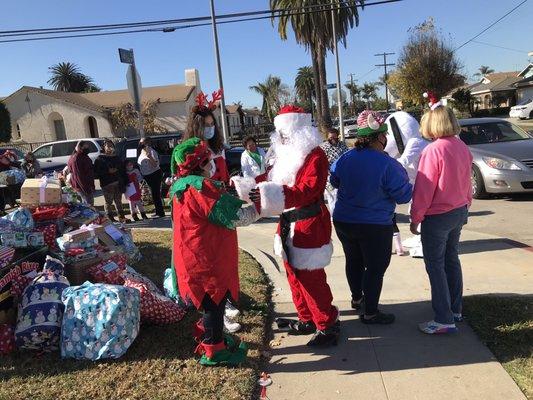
{"x": 41, "y": 115}
{"x": 496, "y": 90}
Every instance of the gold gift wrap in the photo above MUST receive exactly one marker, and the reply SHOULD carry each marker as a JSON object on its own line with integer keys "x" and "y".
{"x": 37, "y": 191}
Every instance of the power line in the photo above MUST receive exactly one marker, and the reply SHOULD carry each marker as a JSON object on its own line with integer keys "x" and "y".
{"x": 269, "y": 14}
{"x": 385, "y": 65}
{"x": 367, "y": 73}
{"x": 500, "y": 47}
{"x": 490, "y": 26}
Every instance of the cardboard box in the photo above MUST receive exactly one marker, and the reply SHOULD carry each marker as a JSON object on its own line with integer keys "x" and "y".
{"x": 37, "y": 191}
{"x": 84, "y": 233}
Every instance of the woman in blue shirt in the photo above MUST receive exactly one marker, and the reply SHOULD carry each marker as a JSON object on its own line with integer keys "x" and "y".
{"x": 370, "y": 184}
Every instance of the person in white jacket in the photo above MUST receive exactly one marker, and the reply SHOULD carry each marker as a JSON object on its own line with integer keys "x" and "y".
{"x": 252, "y": 159}
{"x": 407, "y": 148}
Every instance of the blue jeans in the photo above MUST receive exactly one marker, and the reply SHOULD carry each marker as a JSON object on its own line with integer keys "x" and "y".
{"x": 440, "y": 241}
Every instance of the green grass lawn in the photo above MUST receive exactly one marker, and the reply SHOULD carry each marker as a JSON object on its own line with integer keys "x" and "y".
{"x": 160, "y": 364}
{"x": 505, "y": 325}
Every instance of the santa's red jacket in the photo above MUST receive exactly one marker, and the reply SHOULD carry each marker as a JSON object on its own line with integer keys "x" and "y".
{"x": 309, "y": 242}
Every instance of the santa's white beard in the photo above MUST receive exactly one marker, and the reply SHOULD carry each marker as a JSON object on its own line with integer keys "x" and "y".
{"x": 290, "y": 153}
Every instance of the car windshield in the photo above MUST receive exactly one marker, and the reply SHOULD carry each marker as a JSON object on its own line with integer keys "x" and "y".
{"x": 524, "y": 102}
{"x": 492, "y": 132}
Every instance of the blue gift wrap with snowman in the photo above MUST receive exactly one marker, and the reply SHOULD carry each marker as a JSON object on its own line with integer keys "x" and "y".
{"x": 100, "y": 321}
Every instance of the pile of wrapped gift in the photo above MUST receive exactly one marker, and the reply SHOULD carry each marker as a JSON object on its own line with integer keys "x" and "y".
{"x": 66, "y": 282}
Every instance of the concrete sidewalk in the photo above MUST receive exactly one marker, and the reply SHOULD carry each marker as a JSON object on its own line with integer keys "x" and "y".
{"x": 396, "y": 361}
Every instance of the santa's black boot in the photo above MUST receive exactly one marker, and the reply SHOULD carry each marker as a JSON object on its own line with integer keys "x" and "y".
{"x": 326, "y": 337}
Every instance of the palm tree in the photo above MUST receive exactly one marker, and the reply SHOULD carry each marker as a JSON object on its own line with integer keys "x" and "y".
{"x": 272, "y": 90}
{"x": 305, "y": 86}
{"x": 484, "y": 70}
{"x": 355, "y": 93}
{"x": 369, "y": 91}
{"x": 67, "y": 77}
{"x": 314, "y": 30}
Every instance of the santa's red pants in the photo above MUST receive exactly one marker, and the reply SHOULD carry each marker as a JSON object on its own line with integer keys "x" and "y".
{"x": 312, "y": 296}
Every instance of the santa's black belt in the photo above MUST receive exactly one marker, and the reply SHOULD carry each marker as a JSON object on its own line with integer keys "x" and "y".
{"x": 297, "y": 214}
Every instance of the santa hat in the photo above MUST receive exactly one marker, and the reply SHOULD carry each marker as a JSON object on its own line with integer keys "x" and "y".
{"x": 434, "y": 102}
{"x": 369, "y": 123}
{"x": 291, "y": 118}
{"x": 189, "y": 155}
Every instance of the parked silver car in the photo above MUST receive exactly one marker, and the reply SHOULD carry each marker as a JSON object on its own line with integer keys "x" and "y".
{"x": 503, "y": 156}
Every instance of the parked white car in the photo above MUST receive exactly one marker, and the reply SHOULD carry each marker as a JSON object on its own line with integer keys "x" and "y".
{"x": 54, "y": 156}
{"x": 522, "y": 110}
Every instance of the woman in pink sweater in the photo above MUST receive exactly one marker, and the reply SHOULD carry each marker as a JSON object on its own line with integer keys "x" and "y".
{"x": 441, "y": 198}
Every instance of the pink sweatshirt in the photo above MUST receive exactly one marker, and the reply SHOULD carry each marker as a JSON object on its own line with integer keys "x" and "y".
{"x": 443, "y": 180}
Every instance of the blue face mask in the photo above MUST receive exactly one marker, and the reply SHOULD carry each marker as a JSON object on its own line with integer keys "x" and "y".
{"x": 209, "y": 132}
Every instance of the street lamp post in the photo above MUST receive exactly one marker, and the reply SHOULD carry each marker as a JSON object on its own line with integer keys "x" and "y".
{"x": 219, "y": 72}
{"x": 339, "y": 97}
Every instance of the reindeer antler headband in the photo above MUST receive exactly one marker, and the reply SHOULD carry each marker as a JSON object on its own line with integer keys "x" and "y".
{"x": 203, "y": 102}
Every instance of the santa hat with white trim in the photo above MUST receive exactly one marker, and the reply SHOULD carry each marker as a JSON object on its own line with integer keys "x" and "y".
{"x": 434, "y": 102}
{"x": 291, "y": 118}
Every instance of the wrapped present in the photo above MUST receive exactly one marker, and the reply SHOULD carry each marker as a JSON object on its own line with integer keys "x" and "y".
{"x": 21, "y": 218}
{"x": 76, "y": 271}
{"x": 156, "y": 308}
{"x": 12, "y": 176}
{"x": 79, "y": 235}
{"x": 49, "y": 232}
{"x": 6, "y": 255}
{"x": 115, "y": 233}
{"x": 109, "y": 271}
{"x": 100, "y": 321}
{"x": 22, "y": 239}
{"x": 7, "y": 339}
{"x": 40, "y": 191}
{"x": 7, "y": 226}
{"x": 41, "y": 309}
{"x": 65, "y": 245}
{"x": 131, "y": 273}
{"x": 47, "y": 213}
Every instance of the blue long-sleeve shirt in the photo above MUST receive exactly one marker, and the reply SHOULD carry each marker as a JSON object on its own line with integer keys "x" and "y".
{"x": 370, "y": 185}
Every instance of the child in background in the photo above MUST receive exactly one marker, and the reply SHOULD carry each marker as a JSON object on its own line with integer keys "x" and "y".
{"x": 133, "y": 191}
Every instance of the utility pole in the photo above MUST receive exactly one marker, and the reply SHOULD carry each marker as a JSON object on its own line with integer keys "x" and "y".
{"x": 352, "y": 83}
{"x": 219, "y": 71}
{"x": 385, "y": 65}
{"x": 336, "y": 50}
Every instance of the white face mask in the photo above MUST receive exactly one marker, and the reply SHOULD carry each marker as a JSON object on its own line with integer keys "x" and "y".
{"x": 209, "y": 132}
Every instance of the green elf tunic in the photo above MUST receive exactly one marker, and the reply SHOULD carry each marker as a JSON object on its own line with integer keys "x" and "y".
{"x": 205, "y": 251}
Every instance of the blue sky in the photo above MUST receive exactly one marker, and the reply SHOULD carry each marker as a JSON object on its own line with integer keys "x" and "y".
{"x": 251, "y": 50}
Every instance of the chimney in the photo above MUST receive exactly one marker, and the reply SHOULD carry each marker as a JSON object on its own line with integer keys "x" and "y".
{"x": 192, "y": 78}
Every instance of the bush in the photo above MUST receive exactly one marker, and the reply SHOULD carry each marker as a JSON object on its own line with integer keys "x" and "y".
{"x": 491, "y": 112}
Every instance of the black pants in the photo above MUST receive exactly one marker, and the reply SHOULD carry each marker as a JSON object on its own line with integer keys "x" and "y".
{"x": 367, "y": 248}
{"x": 213, "y": 320}
{"x": 154, "y": 181}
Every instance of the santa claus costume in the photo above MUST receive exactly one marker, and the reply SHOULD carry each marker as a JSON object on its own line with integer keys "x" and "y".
{"x": 205, "y": 252}
{"x": 294, "y": 189}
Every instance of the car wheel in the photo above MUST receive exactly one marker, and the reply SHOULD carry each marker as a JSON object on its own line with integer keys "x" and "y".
{"x": 478, "y": 186}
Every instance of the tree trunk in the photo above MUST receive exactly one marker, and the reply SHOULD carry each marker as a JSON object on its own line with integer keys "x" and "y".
{"x": 316, "y": 79}
{"x": 323, "y": 82}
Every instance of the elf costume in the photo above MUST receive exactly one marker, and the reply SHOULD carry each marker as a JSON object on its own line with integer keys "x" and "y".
{"x": 294, "y": 190}
{"x": 205, "y": 252}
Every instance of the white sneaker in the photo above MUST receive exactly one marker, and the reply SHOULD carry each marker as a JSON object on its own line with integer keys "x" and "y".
{"x": 231, "y": 311}
{"x": 434, "y": 328}
{"x": 231, "y": 326}
{"x": 413, "y": 241}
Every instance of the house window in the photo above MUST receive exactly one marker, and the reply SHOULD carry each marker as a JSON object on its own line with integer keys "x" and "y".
{"x": 18, "y": 131}
{"x": 59, "y": 129}
{"x": 93, "y": 127}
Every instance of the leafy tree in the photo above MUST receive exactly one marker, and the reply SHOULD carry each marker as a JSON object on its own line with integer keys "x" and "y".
{"x": 483, "y": 70}
{"x": 426, "y": 62}
{"x": 5, "y": 124}
{"x": 355, "y": 95}
{"x": 380, "y": 104}
{"x": 463, "y": 100}
{"x": 305, "y": 87}
{"x": 125, "y": 118}
{"x": 274, "y": 94}
{"x": 314, "y": 30}
{"x": 67, "y": 77}
{"x": 369, "y": 92}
